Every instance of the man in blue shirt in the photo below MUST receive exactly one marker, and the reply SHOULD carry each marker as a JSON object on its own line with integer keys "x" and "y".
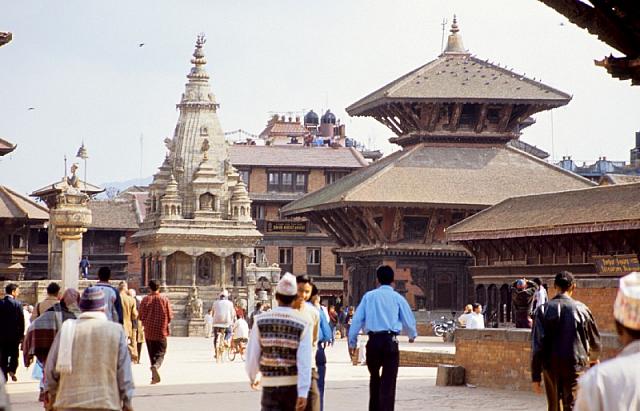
{"x": 382, "y": 314}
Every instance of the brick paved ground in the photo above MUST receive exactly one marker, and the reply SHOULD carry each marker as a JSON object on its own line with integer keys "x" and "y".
{"x": 193, "y": 381}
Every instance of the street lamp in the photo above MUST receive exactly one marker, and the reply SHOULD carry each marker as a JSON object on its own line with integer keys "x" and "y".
{"x": 82, "y": 153}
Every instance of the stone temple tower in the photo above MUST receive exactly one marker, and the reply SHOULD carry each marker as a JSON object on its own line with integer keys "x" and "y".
{"x": 198, "y": 229}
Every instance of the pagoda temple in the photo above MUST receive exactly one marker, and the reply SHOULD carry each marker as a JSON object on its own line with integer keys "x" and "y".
{"x": 198, "y": 228}
{"x": 454, "y": 118}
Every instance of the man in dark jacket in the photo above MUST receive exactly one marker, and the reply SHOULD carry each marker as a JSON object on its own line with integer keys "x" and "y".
{"x": 565, "y": 340}
{"x": 11, "y": 331}
{"x": 522, "y": 292}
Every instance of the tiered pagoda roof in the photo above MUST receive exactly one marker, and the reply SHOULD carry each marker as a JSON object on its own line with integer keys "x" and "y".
{"x": 16, "y": 206}
{"x": 454, "y": 117}
{"x": 458, "y": 97}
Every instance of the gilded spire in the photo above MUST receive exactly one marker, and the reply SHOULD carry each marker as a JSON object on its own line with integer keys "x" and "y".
{"x": 199, "y": 60}
{"x": 454, "y": 42}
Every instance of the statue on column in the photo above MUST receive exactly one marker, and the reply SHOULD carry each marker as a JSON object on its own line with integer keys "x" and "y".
{"x": 73, "y": 181}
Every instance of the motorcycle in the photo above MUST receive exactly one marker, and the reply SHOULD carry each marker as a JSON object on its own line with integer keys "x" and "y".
{"x": 442, "y": 326}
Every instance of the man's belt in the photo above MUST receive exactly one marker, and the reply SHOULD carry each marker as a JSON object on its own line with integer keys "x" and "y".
{"x": 374, "y": 333}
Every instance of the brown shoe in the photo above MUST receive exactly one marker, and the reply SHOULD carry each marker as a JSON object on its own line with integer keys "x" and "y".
{"x": 13, "y": 376}
{"x": 155, "y": 376}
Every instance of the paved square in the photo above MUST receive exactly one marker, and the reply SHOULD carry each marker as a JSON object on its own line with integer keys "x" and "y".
{"x": 191, "y": 380}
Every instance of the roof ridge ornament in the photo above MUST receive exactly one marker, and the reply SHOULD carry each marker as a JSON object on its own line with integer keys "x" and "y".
{"x": 454, "y": 42}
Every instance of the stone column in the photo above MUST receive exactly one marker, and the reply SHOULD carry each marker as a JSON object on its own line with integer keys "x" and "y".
{"x": 251, "y": 286}
{"x": 71, "y": 217}
{"x": 194, "y": 270}
{"x": 143, "y": 271}
{"x": 163, "y": 272}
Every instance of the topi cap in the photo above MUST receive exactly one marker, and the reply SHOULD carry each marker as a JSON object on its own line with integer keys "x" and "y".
{"x": 92, "y": 299}
{"x": 287, "y": 285}
{"x": 626, "y": 309}
{"x": 520, "y": 284}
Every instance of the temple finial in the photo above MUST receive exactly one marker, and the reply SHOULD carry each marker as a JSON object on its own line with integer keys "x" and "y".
{"x": 199, "y": 60}
{"x": 454, "y": 42}
{"x": 454, "y": 25}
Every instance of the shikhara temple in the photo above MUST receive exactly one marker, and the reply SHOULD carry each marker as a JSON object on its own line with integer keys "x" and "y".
{"x": 198, "y": 228}
{"x": 455, "y": 119}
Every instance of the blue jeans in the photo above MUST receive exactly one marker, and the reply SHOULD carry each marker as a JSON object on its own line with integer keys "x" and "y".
{"x": 321, "y": 364}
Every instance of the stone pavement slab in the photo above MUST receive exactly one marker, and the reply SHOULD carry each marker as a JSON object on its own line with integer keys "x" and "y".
{"x": 191, "y": 380}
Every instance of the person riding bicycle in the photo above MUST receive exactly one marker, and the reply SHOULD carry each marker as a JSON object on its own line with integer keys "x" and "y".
{"x": 224, "y": 315}
{"x": 240, "y": 334}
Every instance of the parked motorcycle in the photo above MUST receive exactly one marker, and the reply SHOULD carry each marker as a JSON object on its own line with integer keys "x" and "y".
{"x": 443, "y": 325}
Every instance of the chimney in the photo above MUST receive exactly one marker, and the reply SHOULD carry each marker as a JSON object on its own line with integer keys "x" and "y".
{"x": 282, "y": 119}
{"x": 289, "y": 119}
{"x": 297, "y": 119}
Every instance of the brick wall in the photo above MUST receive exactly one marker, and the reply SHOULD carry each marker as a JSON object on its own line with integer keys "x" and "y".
{"x": 599, "y": 295}
{"x": 299, "y": 260}
{"x": 134, "y": 263}
{"x": 272, "y": 254}
{"x": 327, "y": 261}
{"x": 272, "y": 212}
{"x": 425, "y": 359}
{"x": 316, "y": 180}
{"x": 501, "y": 358}
{"x": 258, "y": 180}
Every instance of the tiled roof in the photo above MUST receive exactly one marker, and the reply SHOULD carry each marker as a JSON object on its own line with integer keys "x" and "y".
{"x": 462, "y": 78}
{"x": 88, "y": 188}
{"x": 620, "y": 179}
{"x": 14, "y": 205}
{"x": 6, "y": 147}
{"x": 296, "y": 156}
{"x": 279, "y": 128}
{"x": 114, "y": 215}
{"x": 593, "y": 209}
{"x": 442, "y": 176}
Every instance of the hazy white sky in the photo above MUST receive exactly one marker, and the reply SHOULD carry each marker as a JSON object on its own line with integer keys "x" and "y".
{"x": 78, "y": 64}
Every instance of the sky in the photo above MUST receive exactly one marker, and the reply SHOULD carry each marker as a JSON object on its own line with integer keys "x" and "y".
{"x": 78, "y": 64}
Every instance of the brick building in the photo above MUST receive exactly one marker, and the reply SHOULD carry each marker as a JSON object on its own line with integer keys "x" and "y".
{"x": 594, "y": 233}
{"x": 278, "y": 174}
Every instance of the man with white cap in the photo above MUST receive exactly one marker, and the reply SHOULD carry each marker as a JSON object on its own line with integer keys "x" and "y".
{"x": 224, "y": 315}
{"x": 88, "y": 366}
{"x": 615, "y": 384}
{"x": 279, "y": 352}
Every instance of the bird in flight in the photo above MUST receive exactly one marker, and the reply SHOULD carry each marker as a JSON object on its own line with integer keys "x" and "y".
{"x": 31, "y": 108}
{"x": 140, "y": 44}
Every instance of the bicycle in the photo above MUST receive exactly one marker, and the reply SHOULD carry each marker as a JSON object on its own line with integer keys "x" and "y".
{"x": 236, "y": 347}
{"x": 220, "y": 345}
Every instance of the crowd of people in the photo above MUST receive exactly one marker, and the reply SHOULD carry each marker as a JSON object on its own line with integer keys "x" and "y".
{"x": 285, "y": 346}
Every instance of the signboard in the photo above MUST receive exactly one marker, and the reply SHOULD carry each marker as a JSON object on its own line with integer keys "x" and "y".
{"x": 616, "y": 265}
{"x": 286, "y": 226}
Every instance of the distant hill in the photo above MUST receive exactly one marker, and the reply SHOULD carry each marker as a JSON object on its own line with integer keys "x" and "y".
{"x": 113, "y": 188}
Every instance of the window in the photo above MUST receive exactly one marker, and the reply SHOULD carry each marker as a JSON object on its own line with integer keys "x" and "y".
{"x": 17, "y": 241}
{"x": 313, "y": 256}
{"x": 244, "y": 175}
{"x": 285, "y": 256}
{"x": 287, "y": 181}
{"x": 493, "y": 114}
{"x": 258, "y": 211}
{"x": 274, "y": 179}
{"x": 415, "y": 228}
{"x": 301, "y": 183}
{"x": 43, "y": 237}
{"x": 339, "y": 260}
{"x": 331, "y": 177}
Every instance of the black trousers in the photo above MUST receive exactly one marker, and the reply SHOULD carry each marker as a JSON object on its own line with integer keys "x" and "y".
{"x": 156, "y": 350}
{"x": 8, "y": 357}
{"x": 279, "y": 398}
{"x": 382, "y": 352}
{"x": 561, "y": 385}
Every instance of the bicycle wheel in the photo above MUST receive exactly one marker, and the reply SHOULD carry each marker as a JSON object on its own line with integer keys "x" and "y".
{"x": 231, "y": 354}
{"x": 438, "y": 331}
